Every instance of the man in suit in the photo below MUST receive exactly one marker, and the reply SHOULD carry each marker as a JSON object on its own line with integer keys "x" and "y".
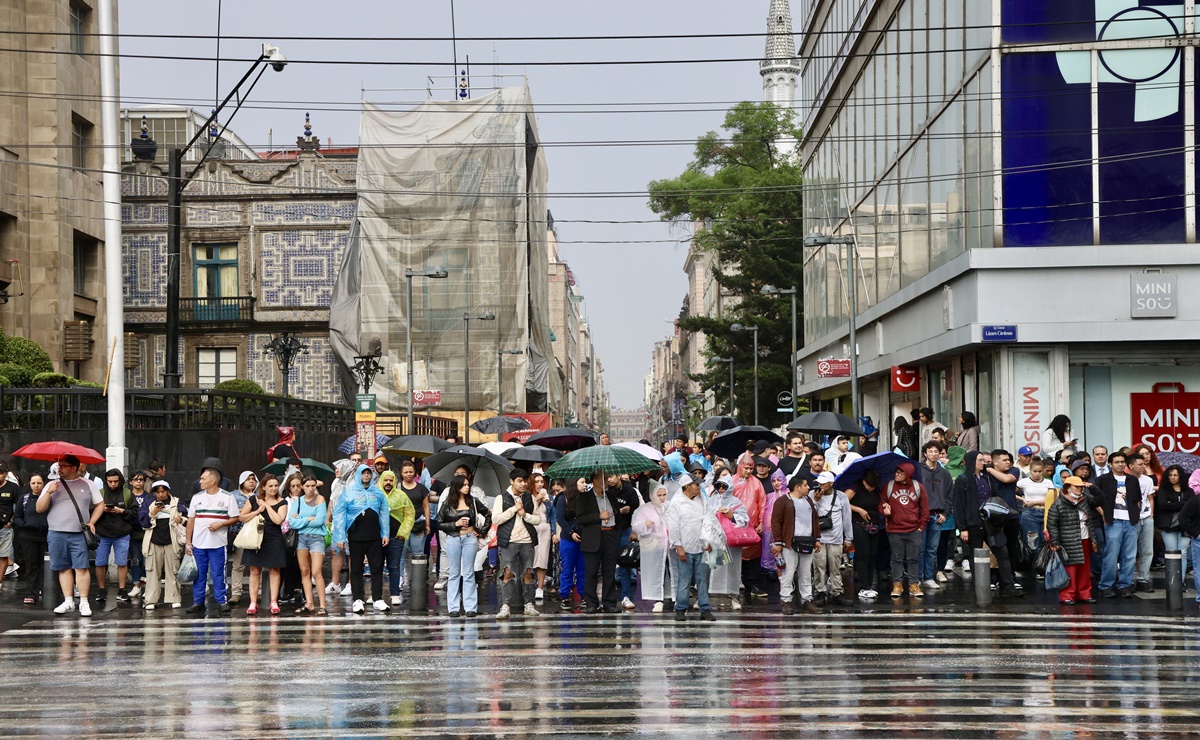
{"x": 594, "y": 513}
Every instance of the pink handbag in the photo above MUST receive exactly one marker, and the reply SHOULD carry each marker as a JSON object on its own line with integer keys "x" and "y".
{"x": 736, "y": 536}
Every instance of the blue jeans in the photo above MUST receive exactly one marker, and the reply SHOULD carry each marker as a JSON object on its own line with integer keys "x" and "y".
{"x": 1032, "y": 526}
{"x": 209, "y": 559}
{"x": 626, "y": 576}
{"x": 1178, "y": 541}
{"x": 927, "y": 565}
{"x": 460, "y": 554}
{"x": 1195, "y": 569}
{"x": 572, "y": 570}
{"x": 693, "y": 568}
{"x": 392, "y": 555}
{"x": 137, "y": 563}
{"x": 1121, "y": 545}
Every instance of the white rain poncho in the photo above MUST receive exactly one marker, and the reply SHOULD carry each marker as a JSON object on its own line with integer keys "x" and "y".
{"x": 650, "y": 525}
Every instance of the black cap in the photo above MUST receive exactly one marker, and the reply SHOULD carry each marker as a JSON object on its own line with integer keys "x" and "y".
{"x": 213, "y": 463}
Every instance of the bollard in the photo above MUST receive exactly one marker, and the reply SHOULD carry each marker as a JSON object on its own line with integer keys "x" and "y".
{"x": 982, "y": 573}
{"x": 1174, "y": 579}
{"x": 51, "y": 589}
{"x": 418, "y": 573}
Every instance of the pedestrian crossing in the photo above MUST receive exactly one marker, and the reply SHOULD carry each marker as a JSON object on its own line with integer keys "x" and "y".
{"x": 887, "y": 674}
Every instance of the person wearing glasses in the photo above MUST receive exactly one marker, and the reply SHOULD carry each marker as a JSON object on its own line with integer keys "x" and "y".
{"x": 65, "y": 501}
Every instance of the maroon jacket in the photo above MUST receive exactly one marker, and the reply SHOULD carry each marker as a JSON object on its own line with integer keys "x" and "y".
{"x": 910, "y": 506}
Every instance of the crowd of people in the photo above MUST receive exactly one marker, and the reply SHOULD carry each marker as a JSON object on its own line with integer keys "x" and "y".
{"x": 701, "y": 532}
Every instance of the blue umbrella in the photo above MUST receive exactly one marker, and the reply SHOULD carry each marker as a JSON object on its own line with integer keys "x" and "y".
{"x": 351, "y": 443}
{"x": 884, "y": 463}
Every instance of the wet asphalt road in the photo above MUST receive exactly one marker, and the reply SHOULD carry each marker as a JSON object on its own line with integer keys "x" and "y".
{"x": 932, "y": 668}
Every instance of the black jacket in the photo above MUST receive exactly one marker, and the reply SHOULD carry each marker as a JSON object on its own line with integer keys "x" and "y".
{"x": 627, "y": 496}
{"x": 504, "y": 531}
{"x": 964, "y": 495}
{"x": 1189, "y": 518}
{"x": 447, "y": 517}
{"x": 10, "y": 495}
{"x": 1107, "y": 485}
{"x": 1062, "y": 522}
{"x": 1167, "y": 503}
{"x": 28, "y": 524}
{"x": 584, "y": 515}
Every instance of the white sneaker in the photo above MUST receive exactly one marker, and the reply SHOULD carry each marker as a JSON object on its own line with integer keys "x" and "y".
{"x": 395, "y": 601}
{"x": 66, "y": 606}
{"x": 441, "y": 585}
{"x": 149, "y": 607}
{"x": 504, "y": 613}
{"x": 12, "y": 568}
{"x": 85, "y": 609}
{"x": 135, "y": 591}
{"x": 658, "y": 607}
{"x": 358, "y": 607}
{"x": 346, "y": 591}
{"x": 539, "y": 595}
{"x": 949, "y": 565}
{"x": 940, "y": 577}
{"x": 176, "y": 605}
{"x": 966, "y": 573}
{"x": 332, "y": 588}
{"x": 967, "y": 565}
{"x": 381, "y": 606}
{"x": 736, "y": 604}
{"x": 930, "y": 585}
{"x": 531, "y": 612}
{"x": 627, "y": 605}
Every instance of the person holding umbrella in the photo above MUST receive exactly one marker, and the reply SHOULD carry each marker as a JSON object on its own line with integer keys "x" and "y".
{"x": 594, "y": 514}
{"x": 64, "y": 501}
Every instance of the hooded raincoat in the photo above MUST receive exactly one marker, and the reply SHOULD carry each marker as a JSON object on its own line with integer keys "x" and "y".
{"x": 403, "y": 513}
{"x": 354, "y": 500}
{"x": 650, "y": 525}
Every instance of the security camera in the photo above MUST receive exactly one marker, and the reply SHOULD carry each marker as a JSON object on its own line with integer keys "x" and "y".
{"x": 275, "y": 57}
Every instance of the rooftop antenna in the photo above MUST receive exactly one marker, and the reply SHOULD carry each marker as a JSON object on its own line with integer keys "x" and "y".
{"x": 495, "y": 68}
{"x": 453, "y": 43}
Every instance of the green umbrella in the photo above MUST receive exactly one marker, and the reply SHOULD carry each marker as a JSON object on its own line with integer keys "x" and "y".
{"x": 320, "y": 470}
{"x": 610, "y": 459}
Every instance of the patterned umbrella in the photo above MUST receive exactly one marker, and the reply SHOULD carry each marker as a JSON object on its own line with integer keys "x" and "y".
{"x": 351, "y": 443}
{"x": 609, "y": 458}
{"x": 1189, "y": 463}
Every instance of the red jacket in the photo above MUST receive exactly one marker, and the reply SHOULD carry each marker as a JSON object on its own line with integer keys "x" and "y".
{"x": 910, "y": 506}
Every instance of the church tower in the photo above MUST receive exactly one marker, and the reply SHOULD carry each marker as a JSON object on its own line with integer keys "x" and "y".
{"x": 780, "y": 69}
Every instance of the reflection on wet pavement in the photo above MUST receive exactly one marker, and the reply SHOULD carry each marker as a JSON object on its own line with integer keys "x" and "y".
{"x": 757, "y": 675}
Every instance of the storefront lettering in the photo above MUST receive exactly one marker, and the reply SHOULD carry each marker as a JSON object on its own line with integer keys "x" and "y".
{"x": 1033, "y": 415}
{"x": 1167, "y": 418}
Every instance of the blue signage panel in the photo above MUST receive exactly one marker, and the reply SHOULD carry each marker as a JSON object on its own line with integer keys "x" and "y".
{"x": 999, "y": 333}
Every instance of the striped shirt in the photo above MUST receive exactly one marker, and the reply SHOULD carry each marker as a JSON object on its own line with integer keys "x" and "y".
{"x": 207, "y": 508}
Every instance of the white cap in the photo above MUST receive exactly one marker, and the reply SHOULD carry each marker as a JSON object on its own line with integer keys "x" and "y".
{"x": 686, "y": 480}
{"x": 825, "y": 477}
{"x": 160, "y": 483}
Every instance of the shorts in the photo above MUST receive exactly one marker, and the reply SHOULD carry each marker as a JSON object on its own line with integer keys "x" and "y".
{"x": 6, "y": 543}
{"x": 68, "y": 550}
{"x": 120, "y": 551}
{"x": 311, "y": 542}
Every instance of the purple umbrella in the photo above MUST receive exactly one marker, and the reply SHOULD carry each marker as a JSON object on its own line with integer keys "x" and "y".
{"x": 1189, "y": 463}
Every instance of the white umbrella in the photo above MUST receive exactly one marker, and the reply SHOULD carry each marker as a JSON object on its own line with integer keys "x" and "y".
{"x": 641, "y": 449}
{"x": 499, "y": 448}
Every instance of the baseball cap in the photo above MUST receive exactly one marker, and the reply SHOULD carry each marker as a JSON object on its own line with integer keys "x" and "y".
{"x": 1025, "y": 451}
{"x": 160, "y": 483}
{"x": 825, "y": 477}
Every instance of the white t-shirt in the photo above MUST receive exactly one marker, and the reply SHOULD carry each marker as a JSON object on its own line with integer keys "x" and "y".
{"x": 1148, "y": 490}
{"x": 1120, "y": 506}
{"x": 1034, "y": 491}
{"x": 1083, "y": 524}
{"x": 207, "y": 508}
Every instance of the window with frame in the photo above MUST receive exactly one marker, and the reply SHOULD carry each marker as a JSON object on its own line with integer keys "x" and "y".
{"x": 216, "y": 282}
{"x": 80, "y": 15}
{"x": 215, "y": 365}
{"x": 83, "y": 261}
{"x": 81, "y": 133}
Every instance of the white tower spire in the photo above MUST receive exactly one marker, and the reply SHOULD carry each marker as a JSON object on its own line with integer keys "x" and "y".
{"x": 780, "y": 69}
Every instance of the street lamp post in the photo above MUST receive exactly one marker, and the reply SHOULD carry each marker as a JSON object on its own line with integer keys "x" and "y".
{"x": 500, "y": 353}
{"x": 467, "y": 318}
{"x": 286, "y": 348}
{"x": 434, "y": 273}
{"x": 730, "y": 361}
{"x": 367, "y": 366}
{"x": 739, "y": 327}
{"x": 772, "y": 290}
{"x": 177, "y": 181}
{"x": 820, "y": 240}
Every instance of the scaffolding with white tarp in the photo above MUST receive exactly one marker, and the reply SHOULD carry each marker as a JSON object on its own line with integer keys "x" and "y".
{"x": 459, "y": 185}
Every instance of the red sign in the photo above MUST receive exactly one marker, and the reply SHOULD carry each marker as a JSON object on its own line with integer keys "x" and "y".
{"x": 427, "y": 398}
{"x": 905, "y": 379}
{"x": 537, "y": 423}
{"x": 1167, "y": 418}
{"x": 833, "y": 368}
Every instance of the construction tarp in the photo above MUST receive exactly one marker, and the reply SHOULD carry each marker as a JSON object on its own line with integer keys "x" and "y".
{"x": 459, "y": 185}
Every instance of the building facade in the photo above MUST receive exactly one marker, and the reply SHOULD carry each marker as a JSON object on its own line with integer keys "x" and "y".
{"x": 51, "y": 197}
{"x": 1020, "y": 196}
{"x": 628, "y": 425}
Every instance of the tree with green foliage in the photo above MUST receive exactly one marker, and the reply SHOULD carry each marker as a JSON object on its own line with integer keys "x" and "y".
{"x": 744, "y": 192}
{"x": 27, "y": 353}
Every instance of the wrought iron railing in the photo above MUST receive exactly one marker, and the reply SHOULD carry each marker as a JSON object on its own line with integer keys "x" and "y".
{"x": 204, "y": 310}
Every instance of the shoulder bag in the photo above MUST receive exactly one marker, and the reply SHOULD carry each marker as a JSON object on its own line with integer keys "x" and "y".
{"x": 92, "y": 539}
{"x": 251, "y": 536}
{"x": 736, "y": 536}
{"x": 806, "y": 545}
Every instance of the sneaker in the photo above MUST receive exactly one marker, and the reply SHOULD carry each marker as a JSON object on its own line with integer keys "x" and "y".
{"x": 381, "y": 606}
{"x": 149, "y": 607}
{"x": 735, "y": 604}
{"x": 332, "y": 588}
{"x": 540, "y": 595}
{"x": 940, "y": 577}
{"x": 930, "y": 585}
{"x": 949, "y": 565}
{"x": 123, "y": 597}
{"x": 504, "y": 613}
{"x": 707, "y": 617}
{"x": 658, "y": 607}
{"x": 357, "y": 607}
{"x": 195, "y": 608}
{"x": 994, "y": 586}
{"x": 1018, "y": 587}
{"x": 66, "y": 606}
{"x": 566, "y": 605}
{"x": 531, "y": 612}
{"x": 176, "y": 605}
{"x": 102, "y": 595}
{"x": 966, "y": 564}
{"x": 441, "y": 585}
{"x": 135, "y": 591}
{"x": 346, "y": 591}
{"x": 897, "y": 589}
{"x": 627, "y": 605}
{"x": 866, "y": 595}
{"x": 85, "y": 609}
{"x": 396, "y": 601}
{"x": 12, "y": 568}
{"x": 872, "y": 593}
{"x": 914, "y": 589}
{"x": 681, "y": 616}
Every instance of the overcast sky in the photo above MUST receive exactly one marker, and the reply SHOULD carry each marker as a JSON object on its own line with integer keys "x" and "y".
{"x": 633, "y": 291}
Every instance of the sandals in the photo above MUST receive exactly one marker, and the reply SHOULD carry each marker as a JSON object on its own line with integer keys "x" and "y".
{"x": 306, "y": 609}
{"x": 322, "y": 613}
{"x": 30, "y": 600}
{"x": 252, "y": 609}
{"x": 274, "y": 608}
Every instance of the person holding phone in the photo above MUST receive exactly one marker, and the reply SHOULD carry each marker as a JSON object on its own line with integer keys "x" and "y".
{"x": 461, "y": 519}
{"x": 161, "y": 518}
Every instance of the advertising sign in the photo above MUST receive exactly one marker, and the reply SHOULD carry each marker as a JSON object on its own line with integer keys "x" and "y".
{"x": 1167, "y": 418}
{"x": 833, "y": 368}
{"x": 1153, "y": 295}
{"x": 1031, "y": 389}
{"x": 538, "y": 422}
{"x": 905, "y": 379}
{"x": 427, "y": 398}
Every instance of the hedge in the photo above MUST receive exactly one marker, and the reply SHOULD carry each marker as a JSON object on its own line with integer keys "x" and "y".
{"x": 238, "y": 385}
{"x": 18, "y": 375}
{"x": 21, "y": 351}
{"x": 52, "y": 380}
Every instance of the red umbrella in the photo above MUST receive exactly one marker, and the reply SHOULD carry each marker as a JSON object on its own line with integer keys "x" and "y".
{"x": 54, "y": 451}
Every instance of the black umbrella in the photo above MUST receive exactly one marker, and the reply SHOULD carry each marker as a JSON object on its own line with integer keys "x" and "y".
{"x": 532, "y": 454}
{"x": 488, "y": 471}
{"x": 731, "y": 443}
{"x": 825, "y": 422}
{"x": 718, "y": 424}
{"x": 500, "y": 425}
{"x": 417, "y": 445}
{"x": 565, "y": 439}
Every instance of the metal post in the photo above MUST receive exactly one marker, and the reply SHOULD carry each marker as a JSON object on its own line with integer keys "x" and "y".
{"x": 466, "y": 379}
{"x": 117, "y": 454}
{"x": 853, "y": 336}
{"x": 1174, "y": 576}
{"x": 756, "y": 376}
{"x": 731, "y": 413}
{"x": 51, "y": 589}
{"x": 499, "y": 383}
{"x": 175, "y": 186}
{"x": 418, "y": 574}
{"x": 408, "y": 429}
{"x": 792, "y": 361}
{"x": 982, "y": 573}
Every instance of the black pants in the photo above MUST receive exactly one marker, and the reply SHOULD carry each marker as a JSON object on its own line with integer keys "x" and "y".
{"x": 603, "y": 565}
{"x": 373, "y": 551}
{"x": 866, "y": 550}
{"x": 31, "y": 557}
{"x": 1011, "y": 531}
{"x": 291, "y": 576}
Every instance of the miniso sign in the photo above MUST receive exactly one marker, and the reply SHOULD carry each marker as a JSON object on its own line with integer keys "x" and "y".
{"x": 1153, "y": 295}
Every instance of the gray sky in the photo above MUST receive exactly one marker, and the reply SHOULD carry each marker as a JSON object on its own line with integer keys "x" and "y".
{"x": 633, "y": 290}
